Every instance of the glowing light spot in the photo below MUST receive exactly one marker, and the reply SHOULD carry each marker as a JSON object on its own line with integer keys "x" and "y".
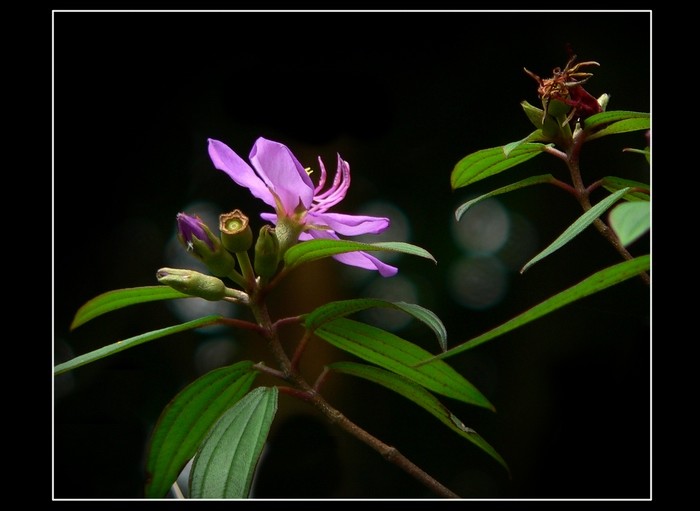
{"x": 478, "y": 282}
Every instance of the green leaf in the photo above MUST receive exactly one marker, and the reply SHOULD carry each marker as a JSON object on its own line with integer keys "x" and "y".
{"x": 119, "y": 298}
{"x": 630, "y": 220}
{"x": 131, "y": 342}
{"x": 225, "y": 462}
{"x": 311, "y": 250}
{"x": 613, "y": 184}
{"x": 535, "y": 180}
{"x": 339, "y": 309}
{"x": 489, "y": 162}
{"x": 185, "y": 421}
{"x": 616, "y": 121}
{"x": 421, "y": 397}
{"x": 400, "y": 356}
{"x": 596, "y": 282}
{"x": 579, "y": 225}
{"x": 535, "y": 136}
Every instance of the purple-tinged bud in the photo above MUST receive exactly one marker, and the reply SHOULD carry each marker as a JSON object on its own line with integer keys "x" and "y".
{"x": 192, "y": 283}
{"x": 197, "y": 238}
{"x": 190, "y": 227}
{"x": 236, "y": 234}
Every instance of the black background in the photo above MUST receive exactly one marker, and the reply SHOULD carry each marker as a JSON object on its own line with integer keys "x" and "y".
{"x": 402, "y": 97}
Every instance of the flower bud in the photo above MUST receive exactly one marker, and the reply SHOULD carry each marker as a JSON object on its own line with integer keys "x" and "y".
{"x": 192, "y": 283}
{"x": 236, "y": 234}
{"x": 198, "y": 239}
{"x": 266, "y": 252}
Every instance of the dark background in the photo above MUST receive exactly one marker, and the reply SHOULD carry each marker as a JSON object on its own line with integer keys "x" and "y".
{"x": 402, "y": 97}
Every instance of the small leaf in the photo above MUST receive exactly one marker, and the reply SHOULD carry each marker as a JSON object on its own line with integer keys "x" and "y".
{"x": 546, "y": 178}
{"x": 596, "y": 282}
{"x": 616, "y": 121}
{"x": 339, "y": 309}
{"x": 119, "y": 298}
{"x": 131, "y": 342}
{"x": 630, "y": 220}
{"x": 311, "y": 250}
{"x": 421, "y": 397}
{"x": 225, "y": 462}
{"x": 613, "y": 184}
{"x": 185, "y": 421}
{"x": 489, "y": 162}
{"x": 398, "y": 355}
{"x": 579, "y": 225}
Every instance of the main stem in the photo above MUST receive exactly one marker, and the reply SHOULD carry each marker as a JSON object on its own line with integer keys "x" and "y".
{"x": 572, "y": 161}
{"x": 301, "y": 389}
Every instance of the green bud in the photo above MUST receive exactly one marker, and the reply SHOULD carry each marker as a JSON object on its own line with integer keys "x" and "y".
{"x": 192, "y": 283}
{"x": 236, "y": 234}
{"x": 219, "y": 261}
{"x": 266, "y": 252}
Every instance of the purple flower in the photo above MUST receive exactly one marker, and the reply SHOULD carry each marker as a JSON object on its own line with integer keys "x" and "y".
{"x": 278, "y": 179}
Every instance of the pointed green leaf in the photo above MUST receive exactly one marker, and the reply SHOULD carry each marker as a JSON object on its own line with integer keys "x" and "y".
{"x": 535, "y": 180}
{"x": 398, "y": 355}
{"x": 596, "y": 282}
{"x": 489, "y": 162}
{"x": 312, "y": 250}
{"x": 535, "y": 136}
{"x": 630, "y": 220}
{"x": 131, "y": 342}
{"x": 421, "y": 397}
{"x": 119, "y": 298}
{"x": 224, "y": 465}
{"x": 579, "y": 225}
{"x": 613, "y": 184}
{"x": 330, "y": 311}
{"x": 616, "y": 121}
{"x": 184, "y": 423}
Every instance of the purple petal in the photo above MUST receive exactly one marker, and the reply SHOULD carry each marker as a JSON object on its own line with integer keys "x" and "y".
{"x": 277, "y": 166}
{"x": 349, "y": 225}
{"x": 359, "y": 259}
{"x": 225, "y": 159}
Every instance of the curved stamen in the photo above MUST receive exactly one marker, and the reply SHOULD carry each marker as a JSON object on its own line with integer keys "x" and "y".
{"x": 336, "y": 193}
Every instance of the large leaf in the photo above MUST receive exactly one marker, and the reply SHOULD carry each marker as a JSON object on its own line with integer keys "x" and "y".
{"x": 224, "y": 465}
{"x": 616, "y": 121}
{"x": 489, "y": 162}
{"x": 333, "y": 310}
{"x": 535, "y": 180}
{"x": 184, "y": 423}
{"x": 421, "y": 397}
{"x": 119, "y": 298}
{"x": 630, "y": 220}
{"x": 118, "y": 346}
{"x": 579, "y": 225}
{"x": 400, "y": 356}
{"x": 596, "y": 282}
{"x": 312, "y": 250}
